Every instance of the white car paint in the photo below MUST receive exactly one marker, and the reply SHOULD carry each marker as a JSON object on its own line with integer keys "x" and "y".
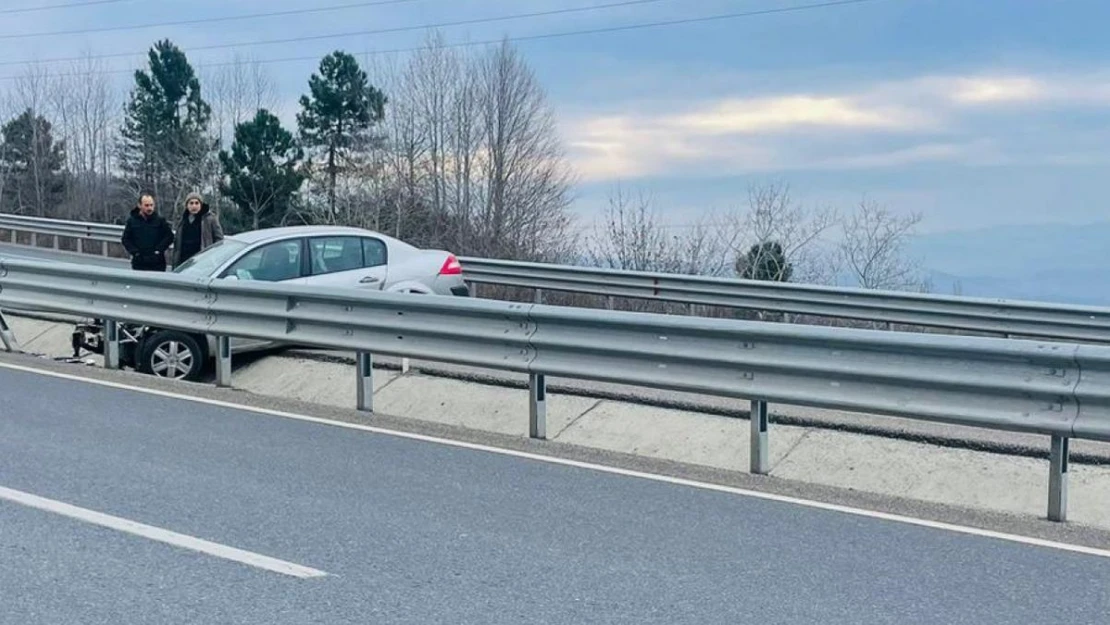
{"x": 325, "y": 256}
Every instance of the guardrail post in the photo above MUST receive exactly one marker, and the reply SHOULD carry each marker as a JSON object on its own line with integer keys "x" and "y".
{"x": 537, "y": 406}
{"x": 1058, "y": 480}
{"x": 34, "y": 239}
{"x": 539, "y": 296}
{"x": 111, "y": 344}
{"x": 80, "y": 246}
{"x": 364, "y": 367}
{"x": 7, "y": 336}
{"x": 760, "y": 458}
{"x": 223, "y": 361}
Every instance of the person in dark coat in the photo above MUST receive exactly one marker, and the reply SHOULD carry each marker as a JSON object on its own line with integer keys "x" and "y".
{"x": 198, "y": 229}
{"x": 146, "y": 236}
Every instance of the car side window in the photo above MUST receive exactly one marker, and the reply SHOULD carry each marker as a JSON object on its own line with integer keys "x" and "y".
{"x": 270, "y": 263}
{"x": 374, "y": 253}
{"x": 332, "y": 254}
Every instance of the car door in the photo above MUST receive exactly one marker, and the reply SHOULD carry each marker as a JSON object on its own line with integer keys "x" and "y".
{"x": 280, "y": 261}
{"x": 341, "y": 261}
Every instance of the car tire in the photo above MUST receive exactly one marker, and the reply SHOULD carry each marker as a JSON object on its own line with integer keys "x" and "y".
{"x": 171, "y": 354}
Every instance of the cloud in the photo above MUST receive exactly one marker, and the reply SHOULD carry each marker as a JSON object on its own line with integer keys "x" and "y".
{"x": 992, "y": 90}
{"x": 1003, "y": 88}
{"x": 785, "y": 113}
{"x": 977, "y": 152}
{"x": 881, "y": 125}
{"x": 732, "y": 130}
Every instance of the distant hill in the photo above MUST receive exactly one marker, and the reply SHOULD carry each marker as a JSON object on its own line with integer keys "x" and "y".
{"x": 1055, "y": 262}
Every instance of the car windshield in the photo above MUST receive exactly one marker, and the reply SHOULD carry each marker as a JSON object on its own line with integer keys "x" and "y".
{"x": 207, "y": 262}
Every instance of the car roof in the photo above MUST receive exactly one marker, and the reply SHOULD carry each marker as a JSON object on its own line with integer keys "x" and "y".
{"x": 269, "y": 234}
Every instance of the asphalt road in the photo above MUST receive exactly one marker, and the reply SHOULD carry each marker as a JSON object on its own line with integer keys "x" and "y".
{"x": 415, "y": 532}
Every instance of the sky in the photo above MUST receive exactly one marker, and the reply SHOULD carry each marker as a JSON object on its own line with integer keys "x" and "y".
{"x": 975, "y": 113}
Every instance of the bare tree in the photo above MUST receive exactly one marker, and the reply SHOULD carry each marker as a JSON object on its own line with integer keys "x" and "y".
{"x": 7, "y": 111}
{"x": 32, "y": 180}
{"x": 408, "y": 152}
{"x": 238, "y": 90}
{"x": 435, "y": 76}
{"x": 873, "y": 248}
{"x": 632, "y": 237}
{"x": 463, "y": 143}
{"x": 525, "y": 176}
{"x": 773, "y": 223}
{"x": 84, "y": 102}
{"x": 472, "y": 159}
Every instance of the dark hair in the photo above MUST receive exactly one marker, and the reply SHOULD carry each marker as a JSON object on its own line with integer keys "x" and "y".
{"x": 143, "y": 194}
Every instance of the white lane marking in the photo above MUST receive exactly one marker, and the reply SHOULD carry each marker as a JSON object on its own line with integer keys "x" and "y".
{"x": 809, "y": 503}
{"x": 158, "y": 534}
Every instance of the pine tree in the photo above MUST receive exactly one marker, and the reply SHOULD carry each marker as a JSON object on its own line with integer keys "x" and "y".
{"x": 765, "y": 261}
{"x": 31, "y": 163}
{"x": 335, "y": 117}
{"x": 165, "y": 144}
{"x": 262, "y": 171}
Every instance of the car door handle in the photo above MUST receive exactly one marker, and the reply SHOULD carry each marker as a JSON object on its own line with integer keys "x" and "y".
{"x": 369, "y": 280}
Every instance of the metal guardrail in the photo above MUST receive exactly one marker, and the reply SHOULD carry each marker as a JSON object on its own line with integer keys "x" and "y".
{"x": 79, "y": 230}
{"x": 1001, "y": 317}
{"x": 1051, "y": 388}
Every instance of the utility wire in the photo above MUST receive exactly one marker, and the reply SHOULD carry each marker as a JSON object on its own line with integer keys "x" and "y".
{"x": 70, "y": 5}
{"x": 207, "y": 20}
{"x": 379, "y": 31}
{"x": 573, "y": 33}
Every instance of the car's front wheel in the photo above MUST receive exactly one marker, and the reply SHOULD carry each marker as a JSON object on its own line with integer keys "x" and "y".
{"x": 171, "y": 354}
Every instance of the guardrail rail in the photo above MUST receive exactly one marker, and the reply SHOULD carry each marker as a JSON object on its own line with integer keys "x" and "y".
{"x": 80, "y": 231}
{"x": 1051, "y": 388}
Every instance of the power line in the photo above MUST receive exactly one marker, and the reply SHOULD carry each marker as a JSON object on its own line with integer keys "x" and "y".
{"x": 208, "y": 20}
{"x": 379, "y": 31}
{"x": 573, "y": 33}
{"x": 69, "y": 5}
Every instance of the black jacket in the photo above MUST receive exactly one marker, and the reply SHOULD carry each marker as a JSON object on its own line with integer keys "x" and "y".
{"x": 146, "y": 239}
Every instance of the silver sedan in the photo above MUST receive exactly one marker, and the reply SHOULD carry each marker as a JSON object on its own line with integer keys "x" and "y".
{"x": 329, "y": 256}
{"x": 332, "y": 256}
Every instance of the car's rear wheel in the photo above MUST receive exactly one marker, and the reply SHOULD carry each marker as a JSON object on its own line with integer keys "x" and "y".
{"x": 173, "y": 355}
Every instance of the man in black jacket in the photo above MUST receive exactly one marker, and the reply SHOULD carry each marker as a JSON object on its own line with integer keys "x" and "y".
{"x": 146, "y": 236}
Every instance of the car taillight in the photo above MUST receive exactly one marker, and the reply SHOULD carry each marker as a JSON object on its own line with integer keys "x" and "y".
{"x": 451, "y": 266}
